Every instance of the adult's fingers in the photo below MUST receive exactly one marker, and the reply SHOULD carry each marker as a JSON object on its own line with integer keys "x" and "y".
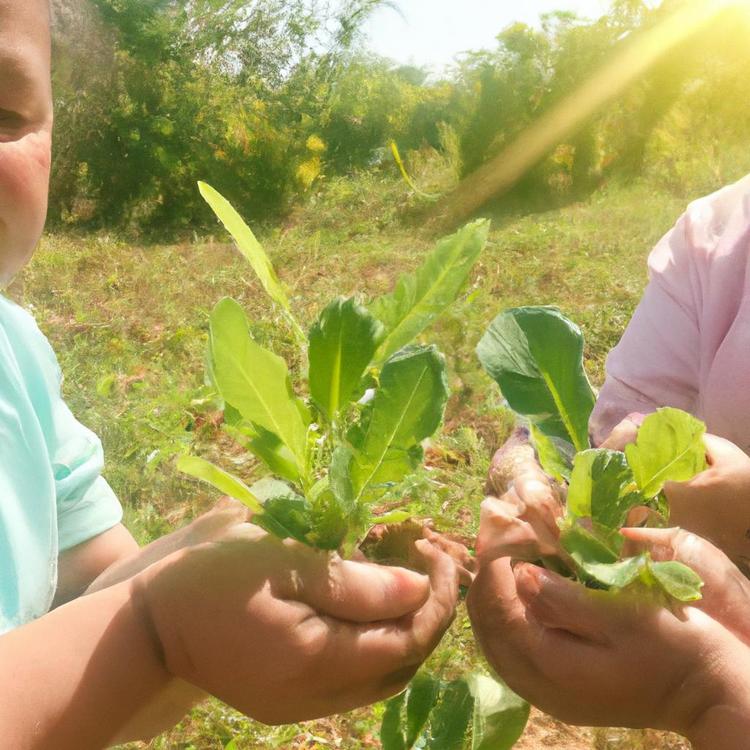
{"x": 509, "y": 527}
{"x": 437, "y": 613}
{"x": 458, "y": 552}
{"x": 624, "y": 433}
{"x": 503, "y": 532}
{"x": 726, "y": 593}
{"x": 561, "y": 604}
{"x": 718, "y": 449}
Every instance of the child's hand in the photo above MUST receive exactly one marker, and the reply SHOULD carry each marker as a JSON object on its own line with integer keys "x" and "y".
{"x": 596, "y": 658}
{"x": 206, "y": 528}
{"x": 285, "y": 633}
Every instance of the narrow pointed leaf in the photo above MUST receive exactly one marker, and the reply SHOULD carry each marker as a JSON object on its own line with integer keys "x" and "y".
{"x": 267, "y": 447}
{"x": 343, "y": 342}
{"x": 669, "y": 447}
{"x": 420, "y": 297}
{"x": 500, "y": 716}
{"x": 246, "y": 242}
{"x": 407, "y": 408}
{"x": 253, "y": 380}
{"x": 223, "y": 481}
{"x": 535, "y": 354}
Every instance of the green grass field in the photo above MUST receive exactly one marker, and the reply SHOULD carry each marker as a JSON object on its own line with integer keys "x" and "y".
{"x": 129, "y": 324}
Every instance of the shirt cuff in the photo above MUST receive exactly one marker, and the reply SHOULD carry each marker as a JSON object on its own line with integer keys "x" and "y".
{"x": 96, "y": 512}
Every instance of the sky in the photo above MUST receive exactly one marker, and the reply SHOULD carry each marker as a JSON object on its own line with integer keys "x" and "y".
{"x": 432, "y": 32}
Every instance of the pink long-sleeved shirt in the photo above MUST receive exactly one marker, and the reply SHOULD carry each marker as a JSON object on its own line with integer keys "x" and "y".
{"x": 688, "y": 343}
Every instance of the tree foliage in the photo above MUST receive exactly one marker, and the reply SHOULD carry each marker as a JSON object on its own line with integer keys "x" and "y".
{"x": 266, "y": 98}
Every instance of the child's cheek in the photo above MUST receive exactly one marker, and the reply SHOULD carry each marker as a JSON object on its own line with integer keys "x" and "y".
{"x": 24, "y": 181}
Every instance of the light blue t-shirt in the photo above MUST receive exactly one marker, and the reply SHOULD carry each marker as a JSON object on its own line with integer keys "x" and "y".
{"x": 52, "y": 494}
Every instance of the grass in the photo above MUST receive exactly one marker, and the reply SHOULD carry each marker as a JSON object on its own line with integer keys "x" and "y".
{"x": 129, "y": 324}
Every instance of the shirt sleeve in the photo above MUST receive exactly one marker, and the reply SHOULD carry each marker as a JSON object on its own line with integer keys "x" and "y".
{"x": 86, "y": 504}
{"x": 657, "y": 361}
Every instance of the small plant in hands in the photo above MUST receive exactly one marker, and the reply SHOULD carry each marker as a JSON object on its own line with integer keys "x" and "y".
{"x": 374, "y": 396}
{"x": 535, "y": 354}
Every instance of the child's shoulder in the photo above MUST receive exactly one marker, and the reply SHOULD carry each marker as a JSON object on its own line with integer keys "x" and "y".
{"x": 23, "y": 345}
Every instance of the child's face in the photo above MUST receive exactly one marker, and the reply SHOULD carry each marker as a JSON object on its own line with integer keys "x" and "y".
{"x": 25, "y": 129}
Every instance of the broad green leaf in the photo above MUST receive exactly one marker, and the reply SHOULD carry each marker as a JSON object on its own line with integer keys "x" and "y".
{"x": 420, "y": 297}
{"x": 267, "y": 447}
{"x": 407, "y": 408}
{"x": 421, "y": 697}
{"x": 249, "y": 246}
{"x": 451, "y": 716}
{"x": 391, "y": 728}
{"x": 222, "y": 480}
{"x": 618, "y": 574}
{"x": 669, "y": 448}
{"x": 535, "y": 354}
{"x": 255, "y": 381}
{"x": 677, "y": 580}
{"x": 500, "y": 716}
{"x": 602, "y": 487}
{"x": 553, "y": 454}
{"x": 342, "y": 344}
{"x": 585, "y": 548}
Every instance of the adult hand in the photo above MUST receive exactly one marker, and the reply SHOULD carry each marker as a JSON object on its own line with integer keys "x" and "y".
{"x": 716, "y": 503}
{"x": 519, "y": 519}
{"x": 617, "y": 659}
{"x": 286, "y": 633}
{"x": 726, "y": 591}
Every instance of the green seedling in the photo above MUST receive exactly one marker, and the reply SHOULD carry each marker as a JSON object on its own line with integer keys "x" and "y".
{"x": 372, "y": 394}
{"x": 535, "y": 354}
{"x": 434, "y": 714}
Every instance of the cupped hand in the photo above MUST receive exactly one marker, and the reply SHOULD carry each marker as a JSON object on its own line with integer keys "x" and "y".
{"x": 598, "y": 658}
{"x": 285, "y": 633}
{"x": 716, "y": 503}
{"x": 726, "y": 591}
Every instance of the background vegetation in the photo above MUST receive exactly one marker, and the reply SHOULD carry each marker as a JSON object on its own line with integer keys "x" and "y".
{"x": 279, "y": 106}
{"x": 267, "y": 100}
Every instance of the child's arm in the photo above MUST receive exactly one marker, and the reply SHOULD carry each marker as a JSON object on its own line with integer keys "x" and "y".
{"x": 276, "y": 629}
{"x": 79, "y": 566}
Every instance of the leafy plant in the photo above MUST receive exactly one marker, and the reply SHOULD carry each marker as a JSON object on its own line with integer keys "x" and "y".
{"x": 373, "y": 394}
{"x": 535, "y": 354}
{"x": 433, "y": 714}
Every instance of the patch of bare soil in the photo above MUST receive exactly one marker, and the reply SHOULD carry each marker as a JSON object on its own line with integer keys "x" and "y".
{"x": 545, "y": 733}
